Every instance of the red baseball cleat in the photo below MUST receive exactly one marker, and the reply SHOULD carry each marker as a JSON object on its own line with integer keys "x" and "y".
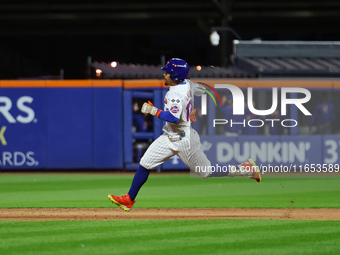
{"x": 251, "y": 165}
{"x": 123, "y": 202}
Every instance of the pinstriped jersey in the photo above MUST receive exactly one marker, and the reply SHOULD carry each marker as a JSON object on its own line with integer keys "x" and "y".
{"x": 179, "y": 100}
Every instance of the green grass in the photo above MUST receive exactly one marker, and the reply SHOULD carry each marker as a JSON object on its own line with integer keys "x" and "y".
{"x": 167, "y": 191}
{"x": 171, "y": 237}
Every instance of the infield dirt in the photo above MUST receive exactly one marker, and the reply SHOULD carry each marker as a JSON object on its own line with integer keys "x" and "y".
{"x": 46, "y": 214}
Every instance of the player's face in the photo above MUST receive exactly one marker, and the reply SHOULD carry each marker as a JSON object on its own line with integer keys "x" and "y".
{"x": 167, "y": 79}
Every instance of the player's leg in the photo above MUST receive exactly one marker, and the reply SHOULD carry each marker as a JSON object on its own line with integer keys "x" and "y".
{"x": 194, "y": 158}
{"x": 157, "y": 153}
{"x": 198, "y": 163}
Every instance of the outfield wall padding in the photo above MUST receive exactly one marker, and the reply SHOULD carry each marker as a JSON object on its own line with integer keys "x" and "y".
{"x": 61, "y": 125}
{"x": 78, "y": 124}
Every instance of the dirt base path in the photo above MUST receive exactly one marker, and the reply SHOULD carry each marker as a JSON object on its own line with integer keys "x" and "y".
{"x": 45, "y": 214}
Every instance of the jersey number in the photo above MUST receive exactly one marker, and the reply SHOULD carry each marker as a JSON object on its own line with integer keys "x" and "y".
{"x": 189, "y": 110}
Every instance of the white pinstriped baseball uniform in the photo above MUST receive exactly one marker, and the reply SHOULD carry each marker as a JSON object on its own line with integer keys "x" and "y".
{"x": 178, "y": 138}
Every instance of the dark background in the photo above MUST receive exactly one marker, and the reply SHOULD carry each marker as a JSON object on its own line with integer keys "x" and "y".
{"x": 40, "y": 38}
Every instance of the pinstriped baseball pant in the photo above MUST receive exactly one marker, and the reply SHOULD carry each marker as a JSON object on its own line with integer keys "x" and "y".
{"x": 189, "y": 152}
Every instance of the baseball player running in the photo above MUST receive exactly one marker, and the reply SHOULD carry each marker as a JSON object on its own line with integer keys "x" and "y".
{"x": 178, "y": 137}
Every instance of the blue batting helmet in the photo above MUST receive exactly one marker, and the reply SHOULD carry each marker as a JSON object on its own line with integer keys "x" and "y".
{"x": 178, "y": 69}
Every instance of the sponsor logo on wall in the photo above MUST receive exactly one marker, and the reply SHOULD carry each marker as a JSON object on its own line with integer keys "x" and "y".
{"x": 13, "y": 113}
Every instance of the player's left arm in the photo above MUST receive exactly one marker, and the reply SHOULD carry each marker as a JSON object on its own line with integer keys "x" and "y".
{"x": 149, "y": 108}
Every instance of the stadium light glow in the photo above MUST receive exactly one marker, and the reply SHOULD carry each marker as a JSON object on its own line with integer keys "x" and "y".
{"x": 215, "y": 38}
{"x": 98, "y": 72}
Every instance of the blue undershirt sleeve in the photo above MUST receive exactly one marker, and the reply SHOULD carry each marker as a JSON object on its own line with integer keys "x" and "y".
{"x": 167, "y": 116}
